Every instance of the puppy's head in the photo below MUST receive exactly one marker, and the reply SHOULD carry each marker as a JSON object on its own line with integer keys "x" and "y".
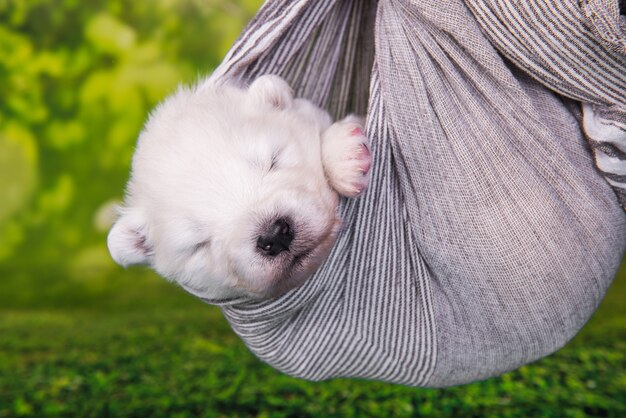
{"x": 227, "y": 194}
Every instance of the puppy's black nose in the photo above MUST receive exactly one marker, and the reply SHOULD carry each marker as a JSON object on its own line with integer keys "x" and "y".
{"x": 276, "y": 238}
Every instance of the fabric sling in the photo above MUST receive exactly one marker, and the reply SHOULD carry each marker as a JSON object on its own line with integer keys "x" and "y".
{"x": 492, "y": 227}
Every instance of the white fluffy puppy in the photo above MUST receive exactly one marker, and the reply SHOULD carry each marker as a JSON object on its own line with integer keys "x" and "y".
{"x": 234, "y": 190}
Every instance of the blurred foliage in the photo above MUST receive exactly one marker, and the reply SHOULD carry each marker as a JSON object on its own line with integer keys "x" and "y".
{"x": 81, "y": 337}
{"x": 77, "y": 80}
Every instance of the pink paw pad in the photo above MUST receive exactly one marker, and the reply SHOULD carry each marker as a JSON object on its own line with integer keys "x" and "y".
{"x": 357, "y": 132}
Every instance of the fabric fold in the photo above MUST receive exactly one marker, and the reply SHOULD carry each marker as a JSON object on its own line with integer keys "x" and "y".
{"x": 487, "y": 237}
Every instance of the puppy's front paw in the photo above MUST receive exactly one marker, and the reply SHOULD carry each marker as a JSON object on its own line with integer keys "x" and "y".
{"x": 346, "y": 156}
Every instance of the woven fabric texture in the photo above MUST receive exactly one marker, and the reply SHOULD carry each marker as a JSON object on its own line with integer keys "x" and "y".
{"x": 488, "y": 235}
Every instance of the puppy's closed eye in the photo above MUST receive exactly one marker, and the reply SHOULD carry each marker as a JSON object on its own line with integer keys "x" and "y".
{"x": 266, "y": 163}
{"x": 275, "y": 160}
{"x": 200, "y": 246}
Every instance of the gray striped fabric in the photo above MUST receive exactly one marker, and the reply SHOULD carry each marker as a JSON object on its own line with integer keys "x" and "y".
{"x": 487, "y": 237}
{"x": 576, "y": 48}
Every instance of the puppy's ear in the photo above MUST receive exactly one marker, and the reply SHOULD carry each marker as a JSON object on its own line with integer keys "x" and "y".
{"x": 273, "y": 91}
{"x": 127, "y": 239}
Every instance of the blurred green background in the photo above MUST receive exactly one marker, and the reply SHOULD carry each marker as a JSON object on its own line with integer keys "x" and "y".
{"x": 79, "y": 336}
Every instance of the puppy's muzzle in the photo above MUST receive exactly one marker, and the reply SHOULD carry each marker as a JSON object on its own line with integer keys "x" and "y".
{"x": 276, "y": 238}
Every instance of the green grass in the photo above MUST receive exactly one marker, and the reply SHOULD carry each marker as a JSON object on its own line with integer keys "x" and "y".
{"x": 169, "y": 355}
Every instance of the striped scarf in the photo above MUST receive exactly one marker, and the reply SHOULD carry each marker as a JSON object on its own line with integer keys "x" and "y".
{"x": 492, "y": 226}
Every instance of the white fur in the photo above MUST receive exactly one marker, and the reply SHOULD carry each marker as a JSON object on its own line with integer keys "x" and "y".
{"x": 213, "y": 165}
